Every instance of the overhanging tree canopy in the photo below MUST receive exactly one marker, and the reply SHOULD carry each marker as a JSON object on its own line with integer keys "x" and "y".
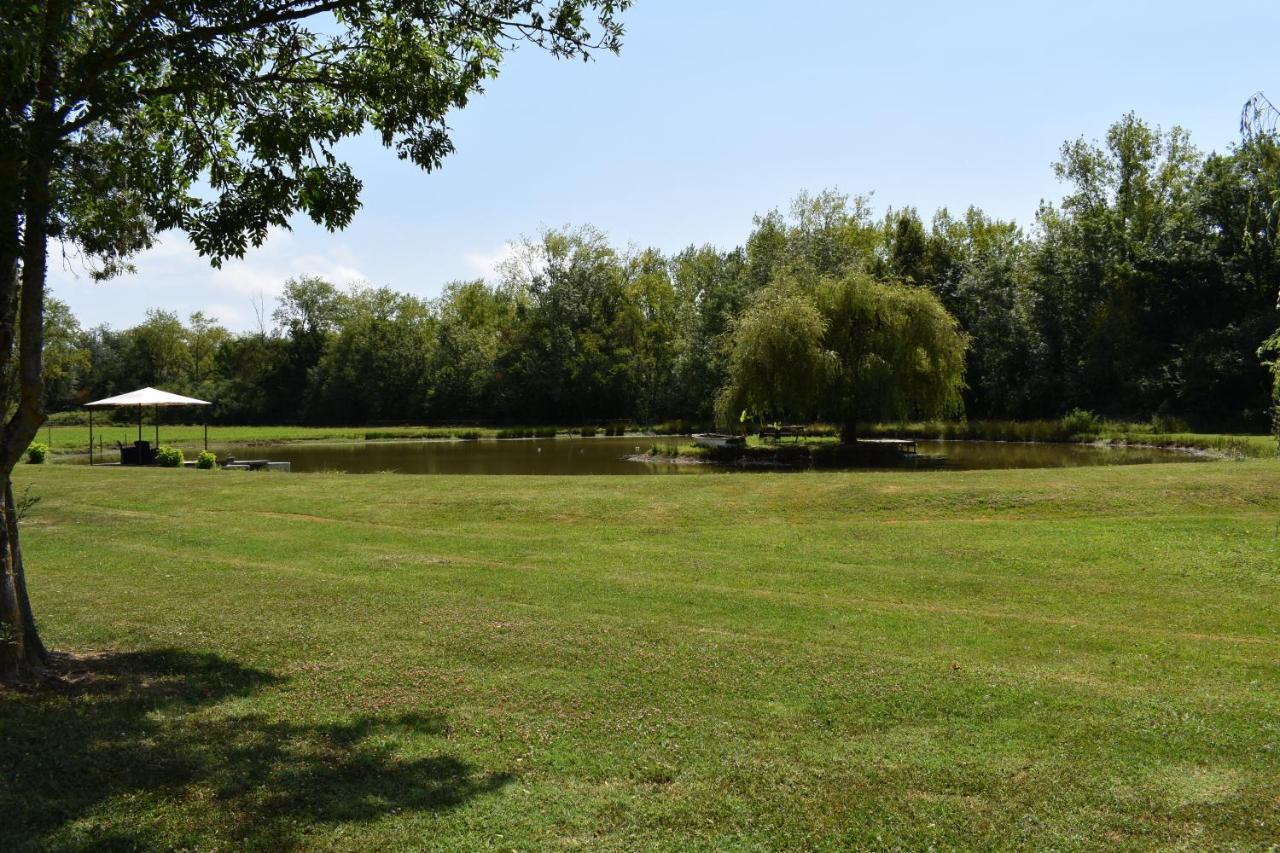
{"x": 122, "y": 118}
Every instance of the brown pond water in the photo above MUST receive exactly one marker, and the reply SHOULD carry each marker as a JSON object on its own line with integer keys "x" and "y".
{"x": 610, "y": 456}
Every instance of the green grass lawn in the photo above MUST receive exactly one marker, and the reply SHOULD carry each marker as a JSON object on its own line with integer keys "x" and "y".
{"x": 1057, "y": 658}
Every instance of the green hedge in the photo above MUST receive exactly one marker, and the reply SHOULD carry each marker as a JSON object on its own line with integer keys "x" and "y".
{"x": 169, "y": 457}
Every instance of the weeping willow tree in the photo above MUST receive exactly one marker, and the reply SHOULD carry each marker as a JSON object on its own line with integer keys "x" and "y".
{"x": 900, "y": 355}
{"x": 777, "y": 362}
{"x": 851, "y": 349}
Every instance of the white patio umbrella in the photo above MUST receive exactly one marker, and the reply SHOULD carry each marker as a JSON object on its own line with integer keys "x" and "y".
{"x": 145, "y": 397}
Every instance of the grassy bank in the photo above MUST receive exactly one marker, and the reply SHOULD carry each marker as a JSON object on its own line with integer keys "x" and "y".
{"x": 1070, "y": 658}
{"x": 1081, "y": 430}
{"x": 74, "y": 438}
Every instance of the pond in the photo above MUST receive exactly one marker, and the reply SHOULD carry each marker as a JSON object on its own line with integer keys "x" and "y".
{"x": 610, "y": 456}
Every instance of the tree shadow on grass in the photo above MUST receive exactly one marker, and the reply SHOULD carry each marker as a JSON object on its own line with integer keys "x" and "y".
{"x": 115, "y": 755}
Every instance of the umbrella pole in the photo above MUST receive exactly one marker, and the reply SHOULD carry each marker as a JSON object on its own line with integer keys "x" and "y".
{"x": 157, "y": 411}
{"x": 139, "y": 422}
{"x": 91, "y": 437}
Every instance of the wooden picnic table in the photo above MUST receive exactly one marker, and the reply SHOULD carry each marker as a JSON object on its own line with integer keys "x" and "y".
{"x": 779, "y": 432}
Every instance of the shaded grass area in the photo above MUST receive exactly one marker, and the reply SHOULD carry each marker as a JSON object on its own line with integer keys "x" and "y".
{"x": 1072, "y": 658}
{"x": 123, "y": 727}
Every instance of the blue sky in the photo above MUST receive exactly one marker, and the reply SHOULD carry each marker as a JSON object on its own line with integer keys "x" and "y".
{"x": 717, "y": 110}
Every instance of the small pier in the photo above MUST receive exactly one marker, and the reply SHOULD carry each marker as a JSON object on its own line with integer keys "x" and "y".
{"x": 905, "y": 446}
{"x": 233, "y": 464}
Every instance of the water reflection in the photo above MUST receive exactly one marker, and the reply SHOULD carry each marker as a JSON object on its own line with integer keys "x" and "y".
{"x": 979, "y": 455}
{"x": 507, "y": 456}
{"x": 613, "y": 456}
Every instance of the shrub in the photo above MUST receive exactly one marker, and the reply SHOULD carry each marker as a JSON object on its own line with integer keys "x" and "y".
{"x": 1168, "y": 424}
{"x": 37, "y": 452}
{"x": 384, "y": 434}
{"x": 75, "y": 417}
{"x": 1080, "y": 422}
{"x": 206, "y": 460}
{"x": 587, "y": 432}
{"x": 467, "y": 435}
{"x": 527, "y": 432}
{"x": 169, "y": 457}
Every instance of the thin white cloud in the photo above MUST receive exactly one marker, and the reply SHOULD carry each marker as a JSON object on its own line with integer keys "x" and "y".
{"x": 227, "y": 315}
{"x": 240, "y": 277}
{"x": 173, "y": 274}
{"x": 489, "y": 264}
{"x": 263, "y": 271}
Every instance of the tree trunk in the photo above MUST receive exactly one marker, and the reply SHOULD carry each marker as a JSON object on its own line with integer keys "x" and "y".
{"x": 849, "y": 433}
{"x": 36, "y": 653}
{"x": 12, "y": 651}
{"x": 13, "y": 656}
{"x": 21, "y": 652}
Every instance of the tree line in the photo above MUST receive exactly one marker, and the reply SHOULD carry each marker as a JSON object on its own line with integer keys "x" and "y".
{"x": 1150, "y": 289}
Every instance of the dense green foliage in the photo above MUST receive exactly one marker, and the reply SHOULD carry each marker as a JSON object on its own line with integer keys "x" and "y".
{"x": 37, "y": 453}
{"x": 778, "y": 365}
{"x": 206, "y": 460}
{"x": 1147, "y": 292}
{"x": 1007, "y": 659}
{"x": 850, "y": 349}
{"x": 169, "y": 457}
{"x": 898, "y": 353}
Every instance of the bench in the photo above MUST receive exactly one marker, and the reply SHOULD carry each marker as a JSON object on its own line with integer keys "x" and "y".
{"x": 780, "y": 432}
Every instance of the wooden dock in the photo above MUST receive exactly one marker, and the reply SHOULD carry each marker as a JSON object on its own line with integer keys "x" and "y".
{"x": 233, "y": 464}
{"x": 906, "y": 446}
